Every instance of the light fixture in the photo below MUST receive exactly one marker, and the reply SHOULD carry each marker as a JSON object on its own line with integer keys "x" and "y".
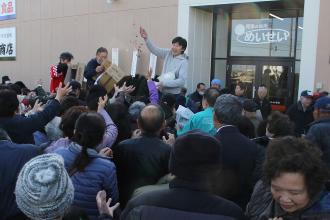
{"x": 300, "y": 27}
{"x": 275, "y": 16}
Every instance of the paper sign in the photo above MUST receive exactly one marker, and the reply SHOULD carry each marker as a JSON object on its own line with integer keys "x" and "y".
{"x": 152, "y": 64}
{"x": 115, "y": 56}
{"x": 134, "y": 63}
{"x": 7, "y": 9}
{"x": 8, "y": 42}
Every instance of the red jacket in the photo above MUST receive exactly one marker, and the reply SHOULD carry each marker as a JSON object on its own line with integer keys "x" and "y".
{"x": 55, "y": 78}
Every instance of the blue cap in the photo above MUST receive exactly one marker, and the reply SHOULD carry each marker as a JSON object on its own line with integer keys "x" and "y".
{"x": 307, "y": 94}
{"x": 323, "y": 104}
{"x": 216, "y": 81}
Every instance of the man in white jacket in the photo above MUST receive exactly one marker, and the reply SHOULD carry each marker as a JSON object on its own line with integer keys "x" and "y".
{"x": 174, "y": 73}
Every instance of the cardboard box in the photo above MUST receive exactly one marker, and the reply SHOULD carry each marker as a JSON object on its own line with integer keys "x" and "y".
{"x": 105, "y": 64}
{"x": 113, "y": 75}
{"x": 75, "y": 72}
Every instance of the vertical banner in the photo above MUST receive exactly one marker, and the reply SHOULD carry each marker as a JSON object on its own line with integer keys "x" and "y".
{"x": 7, "y": 9}
{"x": 152, "y": 64}
{"x": 8, "y": 43}
{"x": 115, "y": 56}
{"x": 134, "y": 63}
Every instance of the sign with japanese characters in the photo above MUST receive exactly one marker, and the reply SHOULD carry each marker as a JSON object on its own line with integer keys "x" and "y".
{"x": 7, "y": 9}
{"x": 8, "y": 43}
{"x": 260, "y": 33}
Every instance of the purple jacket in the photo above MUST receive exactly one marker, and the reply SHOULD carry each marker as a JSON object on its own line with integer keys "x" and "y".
{"x": 153, "y": 93}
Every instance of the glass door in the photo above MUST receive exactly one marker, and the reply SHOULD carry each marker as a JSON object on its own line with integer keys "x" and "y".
{"x": 245, "y": 74}
{"x": 278, "y": 78}
{"x": 275, "y": 75}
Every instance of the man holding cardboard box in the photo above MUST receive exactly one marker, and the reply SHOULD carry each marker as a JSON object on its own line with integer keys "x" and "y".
{"x": 174, "y": 73}
{"x": 94, "y": 67}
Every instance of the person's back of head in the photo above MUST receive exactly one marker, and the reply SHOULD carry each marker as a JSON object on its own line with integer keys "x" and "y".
{"x": 8, "y": 102}
{"x": 119, "y": 115}
{"x": 67, "y": 103}
{"x": 88, "y": 133}
{"x": 227, "y": 109}
{"x": 44, "y": 189}
{"x": 69, "y": 119}
{"x": 196, "y": 157}
{"x": 151, "y": 119}
{"x": 93, "y": 96}
{"x": 210, "y": 96}
{"x": 279, "y": 125}
{"x": 246, "y": 127}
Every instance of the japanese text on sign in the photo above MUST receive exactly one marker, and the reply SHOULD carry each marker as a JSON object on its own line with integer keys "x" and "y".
{"x": 8, "y": 42}
{"x": 7, "y": 9}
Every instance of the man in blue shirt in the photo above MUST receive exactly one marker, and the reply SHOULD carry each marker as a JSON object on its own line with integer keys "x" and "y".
{"x": 203, "y": 120}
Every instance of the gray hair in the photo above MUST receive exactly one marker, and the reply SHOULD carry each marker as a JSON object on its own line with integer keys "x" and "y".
{"x": 135, "y": 109}
{"x": 228, "y": 109}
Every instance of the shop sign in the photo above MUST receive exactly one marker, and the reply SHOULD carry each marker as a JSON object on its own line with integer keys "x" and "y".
{"x": 260, "y": 34}
{"x": 7, "y": 9}
{"x": 8, "y": 43}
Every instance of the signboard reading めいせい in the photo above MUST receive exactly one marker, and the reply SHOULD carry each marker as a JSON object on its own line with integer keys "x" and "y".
{"x": 7, "y": 9}
{"x": 8, "y": 43}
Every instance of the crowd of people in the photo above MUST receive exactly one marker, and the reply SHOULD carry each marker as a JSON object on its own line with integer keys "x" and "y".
{"x": 80, "y": 152}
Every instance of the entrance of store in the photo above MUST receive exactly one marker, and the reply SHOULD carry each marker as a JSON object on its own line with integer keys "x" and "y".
{"x": 276, "y": 75}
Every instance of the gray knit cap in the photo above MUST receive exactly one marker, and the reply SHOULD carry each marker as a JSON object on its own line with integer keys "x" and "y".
{"x": 44, "y": 189}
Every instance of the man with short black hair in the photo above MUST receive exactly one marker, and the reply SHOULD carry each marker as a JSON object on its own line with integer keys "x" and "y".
{"x": 195, "y": 99}
{"x": 142, "y": 161}
{"x": 203, "y": 120}
{"x": 175, "y": 67}
{"x": 94, "y": 68}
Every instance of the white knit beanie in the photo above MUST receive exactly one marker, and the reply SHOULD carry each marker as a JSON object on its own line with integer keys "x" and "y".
{"x": 44, "y": 189}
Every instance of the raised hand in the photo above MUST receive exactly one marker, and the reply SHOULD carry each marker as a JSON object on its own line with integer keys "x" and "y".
{"x": 103, "y": 205}
{"x": 143, "y": 33}
{"x": 62, "y": 92}
{"x": 102, "y": 102}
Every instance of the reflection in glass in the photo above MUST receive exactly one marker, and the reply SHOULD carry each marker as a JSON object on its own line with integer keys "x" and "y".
{"x": 245, "y": 74}
{"x": 275, "y": 78}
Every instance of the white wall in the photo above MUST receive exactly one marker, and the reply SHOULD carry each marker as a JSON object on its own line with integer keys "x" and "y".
{"x": 200, "y": 46}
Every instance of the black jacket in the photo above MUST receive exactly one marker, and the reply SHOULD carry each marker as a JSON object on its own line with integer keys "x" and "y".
{"x": 319, "y": 133}
{"x": 20, "y": 129}
{"x": 241, "y": 165}
{"x": 184, "y": 200}
{"x": 264, "y": 106}
{"x": 300, "y": 117}
{"x": 140, "y": 162}
{"x": 12, "y": 159}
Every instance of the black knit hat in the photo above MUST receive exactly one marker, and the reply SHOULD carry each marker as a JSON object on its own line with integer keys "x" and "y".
{"x": 194, "y": 155}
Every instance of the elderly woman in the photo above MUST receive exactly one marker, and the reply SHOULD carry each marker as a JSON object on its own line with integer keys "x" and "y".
{"x": 294, "y": 183}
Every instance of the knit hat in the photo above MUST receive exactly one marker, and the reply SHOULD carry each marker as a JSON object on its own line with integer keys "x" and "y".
{"x": 216, "y": 81}
{"x": 44, "y": 189}
{"x": 194, "y": 155}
